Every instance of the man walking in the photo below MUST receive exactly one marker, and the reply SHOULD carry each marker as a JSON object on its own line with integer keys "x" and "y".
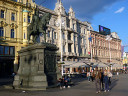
{"x": 97, "y": 77}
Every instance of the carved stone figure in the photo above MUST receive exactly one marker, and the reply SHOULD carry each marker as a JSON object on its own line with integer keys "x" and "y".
{"x": 38, "y": 25}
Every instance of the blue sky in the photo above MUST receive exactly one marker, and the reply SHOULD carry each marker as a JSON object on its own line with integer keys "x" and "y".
{"x": 112, "y": 14}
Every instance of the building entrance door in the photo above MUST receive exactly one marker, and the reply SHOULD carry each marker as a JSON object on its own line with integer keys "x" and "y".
{"x": 6, "y": 68}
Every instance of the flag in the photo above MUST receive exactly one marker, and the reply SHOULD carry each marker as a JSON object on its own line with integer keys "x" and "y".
{"x": 90, "y": 38}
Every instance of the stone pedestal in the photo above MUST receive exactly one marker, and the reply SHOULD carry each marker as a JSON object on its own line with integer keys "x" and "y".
{"x": 37, "y": 70}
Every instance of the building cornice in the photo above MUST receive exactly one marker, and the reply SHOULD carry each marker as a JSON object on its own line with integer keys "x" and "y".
{"x": 97, "y": 33}
{"x": 17, "y": 4}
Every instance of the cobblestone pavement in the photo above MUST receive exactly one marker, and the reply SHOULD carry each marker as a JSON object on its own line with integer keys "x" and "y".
{"x": 82, "y": 87}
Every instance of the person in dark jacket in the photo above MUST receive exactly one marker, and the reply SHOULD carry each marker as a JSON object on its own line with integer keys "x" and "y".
{"x": 106, "y": 81}
{"x": 102, "y": 79}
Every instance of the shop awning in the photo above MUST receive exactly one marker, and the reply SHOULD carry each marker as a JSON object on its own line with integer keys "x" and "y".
{"x": 74, "y": 64}
{"x": 117, "y": 66}
{"x": 100, "y": 64}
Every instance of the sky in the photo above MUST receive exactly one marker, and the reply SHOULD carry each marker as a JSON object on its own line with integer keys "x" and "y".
{"x": 112, "y": 14}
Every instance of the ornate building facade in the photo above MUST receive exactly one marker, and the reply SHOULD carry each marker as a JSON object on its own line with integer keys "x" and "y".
{"x": 102, "y": 51}
{"x": 68, "y": 33}
{"x": 15, "y": 16}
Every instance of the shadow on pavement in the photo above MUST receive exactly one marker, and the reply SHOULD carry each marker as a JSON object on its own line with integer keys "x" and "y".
{"x": 114, "y": 83}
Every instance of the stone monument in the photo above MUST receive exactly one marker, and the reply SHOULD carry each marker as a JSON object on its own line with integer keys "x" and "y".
{"x": 38, "y": 69}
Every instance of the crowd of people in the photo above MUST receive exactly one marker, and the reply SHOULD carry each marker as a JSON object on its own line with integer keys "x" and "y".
{"x": 64, "y": 82}
{"x": 102, "y": 79}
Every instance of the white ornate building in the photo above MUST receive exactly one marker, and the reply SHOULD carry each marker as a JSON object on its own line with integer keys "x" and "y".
{"x": 67, "y": 32}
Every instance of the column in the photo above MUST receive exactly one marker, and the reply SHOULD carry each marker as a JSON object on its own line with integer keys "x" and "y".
{"x": 66, "y": 38}
{"x": 72, "y": 38}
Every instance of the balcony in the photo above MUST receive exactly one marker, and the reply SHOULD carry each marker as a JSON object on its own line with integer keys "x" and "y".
{"x": 85, "y": 55}
{"x": 76, "y": 42}
{"x": 82, "y": 44}
{"x": 55, "y": 42}
{"x": 13, "y": 40}
{"x": 64, "y": 53}
{"x": 82, "y": 35}
{"x": 64, "y": 42}
{"x": 74, "y": 54}
{"x": 71, "y": 30}
{"x": 70, "y": 41}
{"x": 69, "y": 54}
{"x": 49, "y": 40}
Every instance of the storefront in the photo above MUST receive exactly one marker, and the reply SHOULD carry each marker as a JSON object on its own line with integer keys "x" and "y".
{"x": 6, "y": 66}
{"x": 7, "y": 56}
{"x": 74, "y": 67}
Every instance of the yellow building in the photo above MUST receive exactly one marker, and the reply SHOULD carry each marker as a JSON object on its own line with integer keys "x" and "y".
{"x": 15, "y": 16}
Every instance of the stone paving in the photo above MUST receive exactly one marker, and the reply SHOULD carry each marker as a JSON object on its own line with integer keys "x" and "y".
{"x": 82, "y": 87}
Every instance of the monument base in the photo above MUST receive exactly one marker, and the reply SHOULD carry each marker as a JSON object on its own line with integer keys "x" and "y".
{"x": 37, "y": 70}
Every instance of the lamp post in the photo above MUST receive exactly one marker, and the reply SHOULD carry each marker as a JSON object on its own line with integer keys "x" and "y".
{"x": 108, "y": 38}
{"x": 90, "y": 41}
{"x": 59, "y": 24}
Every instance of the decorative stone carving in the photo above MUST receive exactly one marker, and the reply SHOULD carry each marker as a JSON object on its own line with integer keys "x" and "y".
{"x": 13, "y": 26}
{"x": 3, "y": 24}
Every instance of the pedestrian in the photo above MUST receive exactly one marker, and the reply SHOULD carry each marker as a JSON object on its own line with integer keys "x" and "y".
{"x": 109, "y": 77}
{"x": 63, "y": 82}
{"x": 106, "y": 81}
{"x": 91, "y": 75}
{"x": 117, "y": 73}
{"x": 97, "y": 77}
{"x": 60, "y": 83}
{"x": 67, "y": 82}
{"x": 102, "y": 79}
{"x": 88, "y": 75}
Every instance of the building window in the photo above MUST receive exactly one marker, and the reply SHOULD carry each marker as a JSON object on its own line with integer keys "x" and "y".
{"x": 64, "y": 48}
{"x": 74, "y": 26}
{"x": 69, "y": 36}
{"x": 1, "y": 50}
{"x": 69, "y": 47}
{"x": 6, "y": 51}
{"x": 12, "y": 33}
{"x": 63, "y": 36}
{"x": 48, "y": 33}
{"x": 1, "y": 31}
{"x": 13, "y": 17}
{"x": 24, "y": 19}
{"x": 75, "y": 49}
{"x": 74, "y": 38}
{"x": 12, "y": 50}
{"x": 84, "y": 31}
{"x": 2, "y": 13}
{"x": 29, "y": 19}
{"x": 54, "y": 22}
{"x": 55, "y": 37}
{"x": 24, "y": 36}
{"x": 81, "y": 40}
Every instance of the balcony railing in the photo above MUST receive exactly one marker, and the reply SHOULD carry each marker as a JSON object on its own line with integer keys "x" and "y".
{"x": 82, "y": 44}
{"x": 70, "y": 41}
{"x": 85, "y": 55}
{"x": 8, "y": 39}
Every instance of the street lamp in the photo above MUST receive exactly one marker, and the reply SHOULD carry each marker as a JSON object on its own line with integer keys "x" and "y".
{"x": 90, "y": 40}
{"x": 109, "y": 38}
{"x": 60, "y": 23}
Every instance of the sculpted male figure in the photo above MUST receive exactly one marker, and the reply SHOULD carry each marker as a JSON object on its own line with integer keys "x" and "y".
{"x": 38, "y": 25}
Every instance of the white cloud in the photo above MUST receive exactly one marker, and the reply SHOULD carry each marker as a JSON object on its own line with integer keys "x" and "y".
{"x": 120, "y": 10}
